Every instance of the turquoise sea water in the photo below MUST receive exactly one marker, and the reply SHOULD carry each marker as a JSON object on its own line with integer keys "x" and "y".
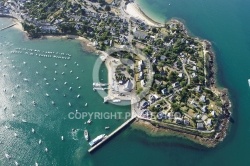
{"x": 49, "y": 121}
{"x": 225, "y": 24}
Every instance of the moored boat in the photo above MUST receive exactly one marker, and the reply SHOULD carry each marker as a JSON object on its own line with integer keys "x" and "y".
{"x": 7, "y": 156}
{"x": 86, "y": 134}
{"x": 40, "y": 141}
{"x": 97, "y": 139}
{"x": 89, "y": 121}
{"x": 16, "y": 163}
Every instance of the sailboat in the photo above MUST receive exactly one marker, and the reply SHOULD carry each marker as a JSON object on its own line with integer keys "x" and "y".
{"x": 40, "y": 141}
{"x": 7, "y": 156}
{"x": 16, "y": 163}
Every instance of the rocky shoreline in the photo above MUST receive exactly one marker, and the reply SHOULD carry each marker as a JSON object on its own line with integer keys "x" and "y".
{"x": 223, "y": 125}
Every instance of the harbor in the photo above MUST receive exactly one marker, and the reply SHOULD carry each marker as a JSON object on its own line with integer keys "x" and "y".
{"x": 36, "y": 92}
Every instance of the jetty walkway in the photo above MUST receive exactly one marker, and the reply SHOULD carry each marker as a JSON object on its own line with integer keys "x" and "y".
{"x": 7, "y": 27}
{"x": 112, "y": 134}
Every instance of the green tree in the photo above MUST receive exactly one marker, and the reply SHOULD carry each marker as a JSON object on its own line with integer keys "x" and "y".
{"x": 107, "y": 8}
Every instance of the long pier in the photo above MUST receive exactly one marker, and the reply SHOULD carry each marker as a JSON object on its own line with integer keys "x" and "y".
{"x": 7, "y": 27}
{"x": 112, "y": 134}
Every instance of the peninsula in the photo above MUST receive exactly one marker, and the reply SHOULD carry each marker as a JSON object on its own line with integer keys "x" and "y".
{"x": 167, "y": 74}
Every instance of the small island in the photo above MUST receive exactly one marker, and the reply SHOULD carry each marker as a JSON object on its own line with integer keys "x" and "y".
{"x": 168, "y": 75}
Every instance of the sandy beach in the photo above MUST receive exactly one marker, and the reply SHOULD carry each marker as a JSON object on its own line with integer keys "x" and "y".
{"x": 18, "y": 25}
{"x": 134, "y": 10}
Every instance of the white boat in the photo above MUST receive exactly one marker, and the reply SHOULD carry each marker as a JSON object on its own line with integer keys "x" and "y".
{"x": 7, "y": 156}
{"x": 77, "y": 78}
{"x": 89, "y": 121}
{"x": 33, "y": 130}
{"x": 54, "y": 79}
{"x": 79, "y": 87}
{"x": 16, "y": 163}
{"x": 69, "y": 104}
{"x": 78, "y": 96}
{"x": 70, "y": 88}
{"x": 56, "y": 89}
{"x": 40, "y": 141}
{"x": 55, "y": 72}
{"x": 86, "y": 104}
{"x": 52, "y": 102}
{"x": 45, "y": 67}
{"x": 36, "y": 164}
{"x": 86, "y": 134}
{"x": 249, "y": 82}
{"x": 65, "y": 83}
{"x": 34, "y": 103}
{"x": 24, "y": 121}
{"x": 62, "y": 73}
{"x": 116, "y": 100}
{"x": 55, "y": 64}
{"x": 46, "y": 149}
{"x": 71, "y": 71}
{"x": 107, "y": 127}
{"x": 62, "y": 138}
{"x": 47, "y": 94}
{"x": 65, "y": 64}
{"x": 97, "y": 139}
{"x": 15, "y": 134}
{"x": 98, "y": 84}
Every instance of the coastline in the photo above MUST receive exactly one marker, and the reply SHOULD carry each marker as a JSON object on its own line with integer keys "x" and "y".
{"x": 156, "y": 131}
{"x": 143, "y": 125}
{"x": 134, "y": 10}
